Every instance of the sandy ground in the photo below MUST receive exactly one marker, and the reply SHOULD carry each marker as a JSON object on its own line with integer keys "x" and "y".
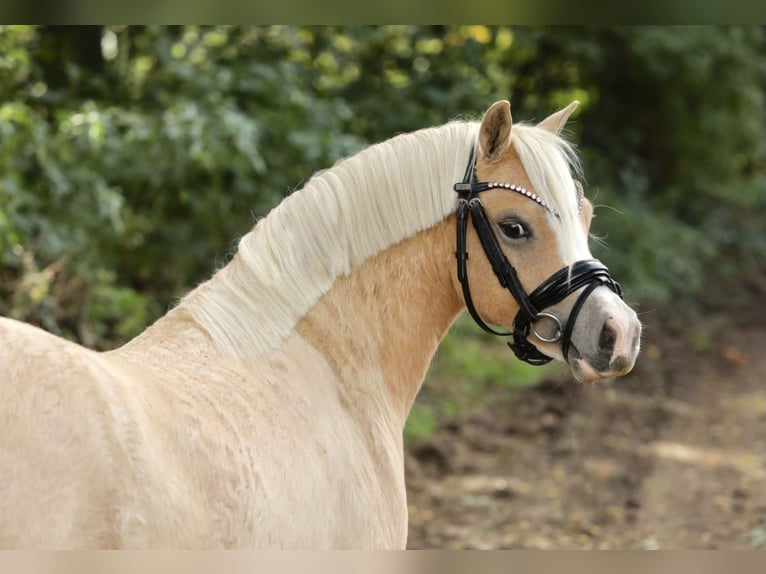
{"x": 672, "y": 456}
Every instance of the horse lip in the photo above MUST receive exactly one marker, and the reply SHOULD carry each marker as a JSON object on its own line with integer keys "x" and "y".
{"x": 579, "y": 365}
{"x": 574, "y": 353}
{"x": 572, "y": 360}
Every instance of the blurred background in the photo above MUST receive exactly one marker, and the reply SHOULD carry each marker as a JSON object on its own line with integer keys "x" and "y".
{"x": 132, "y": 158}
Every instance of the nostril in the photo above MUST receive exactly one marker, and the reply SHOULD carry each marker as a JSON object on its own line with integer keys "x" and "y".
{"x": 607, "y": 339}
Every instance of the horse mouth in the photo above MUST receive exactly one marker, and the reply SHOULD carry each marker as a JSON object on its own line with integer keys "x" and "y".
{"x": 582, "y": 370}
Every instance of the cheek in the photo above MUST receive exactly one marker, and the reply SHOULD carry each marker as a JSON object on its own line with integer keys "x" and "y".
{"x": 494, "y": 303}
{"x": 535, "y": 263}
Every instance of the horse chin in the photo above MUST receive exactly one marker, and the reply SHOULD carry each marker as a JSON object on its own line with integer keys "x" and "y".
{"x": 581, "y": 369}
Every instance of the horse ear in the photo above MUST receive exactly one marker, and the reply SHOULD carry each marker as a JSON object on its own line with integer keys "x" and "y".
{"x": 554, "y": 123}
{"x": 495, "y": 130}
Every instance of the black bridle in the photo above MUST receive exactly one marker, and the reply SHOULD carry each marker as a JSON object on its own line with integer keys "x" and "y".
{"x": 587, "y": 273}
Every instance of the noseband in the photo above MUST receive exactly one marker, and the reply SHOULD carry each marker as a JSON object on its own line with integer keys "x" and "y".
{"x": 587, "y": 273}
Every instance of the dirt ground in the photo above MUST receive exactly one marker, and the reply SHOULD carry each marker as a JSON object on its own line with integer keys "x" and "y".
{"x": 672, "y": 456}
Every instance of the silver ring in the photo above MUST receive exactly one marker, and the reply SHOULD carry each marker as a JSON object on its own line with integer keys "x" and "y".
{"x": 557, "y": 337}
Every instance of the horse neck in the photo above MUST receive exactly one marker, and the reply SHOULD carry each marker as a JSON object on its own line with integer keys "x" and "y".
{"x": 379, "y": 326}
{"x": 342, "y": 217}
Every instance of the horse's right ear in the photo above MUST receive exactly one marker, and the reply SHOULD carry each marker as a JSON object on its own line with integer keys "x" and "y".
{"x": 554, "y": 123}
{"x": 495, "y": 130}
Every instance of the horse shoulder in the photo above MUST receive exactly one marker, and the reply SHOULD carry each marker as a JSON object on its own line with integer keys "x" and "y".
{"x": 56, "y": 441}
{"x": 314, "y": 475}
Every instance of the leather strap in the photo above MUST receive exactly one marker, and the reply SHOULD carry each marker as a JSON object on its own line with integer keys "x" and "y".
{"x": 461, "y": 253}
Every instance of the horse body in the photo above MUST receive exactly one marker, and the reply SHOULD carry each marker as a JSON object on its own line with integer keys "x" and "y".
{"x": 181, "y": 446}
{"x": 266, "y": 410}
{"x": 115, "y": 451}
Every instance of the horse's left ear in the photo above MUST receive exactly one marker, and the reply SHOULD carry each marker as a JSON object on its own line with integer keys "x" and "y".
{"x": 554, "y": 123}
{"x": 495, "y": 129}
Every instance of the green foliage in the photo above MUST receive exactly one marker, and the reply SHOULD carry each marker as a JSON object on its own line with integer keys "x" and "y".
{"x": 675, "y": 141}
{"x": 144, "y": 184}
{"x": 131, "y": 158}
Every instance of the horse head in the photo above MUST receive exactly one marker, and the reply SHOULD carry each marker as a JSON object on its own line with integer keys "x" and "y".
{"x": 530, "y": 268}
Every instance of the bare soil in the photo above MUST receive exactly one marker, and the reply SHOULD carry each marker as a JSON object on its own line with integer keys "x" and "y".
{"x": 671, "y": 456}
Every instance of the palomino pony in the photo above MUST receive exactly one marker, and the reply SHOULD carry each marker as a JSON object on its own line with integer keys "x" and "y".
{"x": 266, "y": 410}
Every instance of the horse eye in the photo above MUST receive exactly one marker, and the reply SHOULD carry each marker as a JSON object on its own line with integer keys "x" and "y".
{"x": 514, "y": 230}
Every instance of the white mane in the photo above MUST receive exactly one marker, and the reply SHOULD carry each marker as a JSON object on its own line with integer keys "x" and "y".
{"x": 351, "y": 212}
{"x": 550, "y": 162}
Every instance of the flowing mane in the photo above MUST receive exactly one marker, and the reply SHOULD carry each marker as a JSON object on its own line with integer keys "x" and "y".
{"x": 351, "y": 212}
